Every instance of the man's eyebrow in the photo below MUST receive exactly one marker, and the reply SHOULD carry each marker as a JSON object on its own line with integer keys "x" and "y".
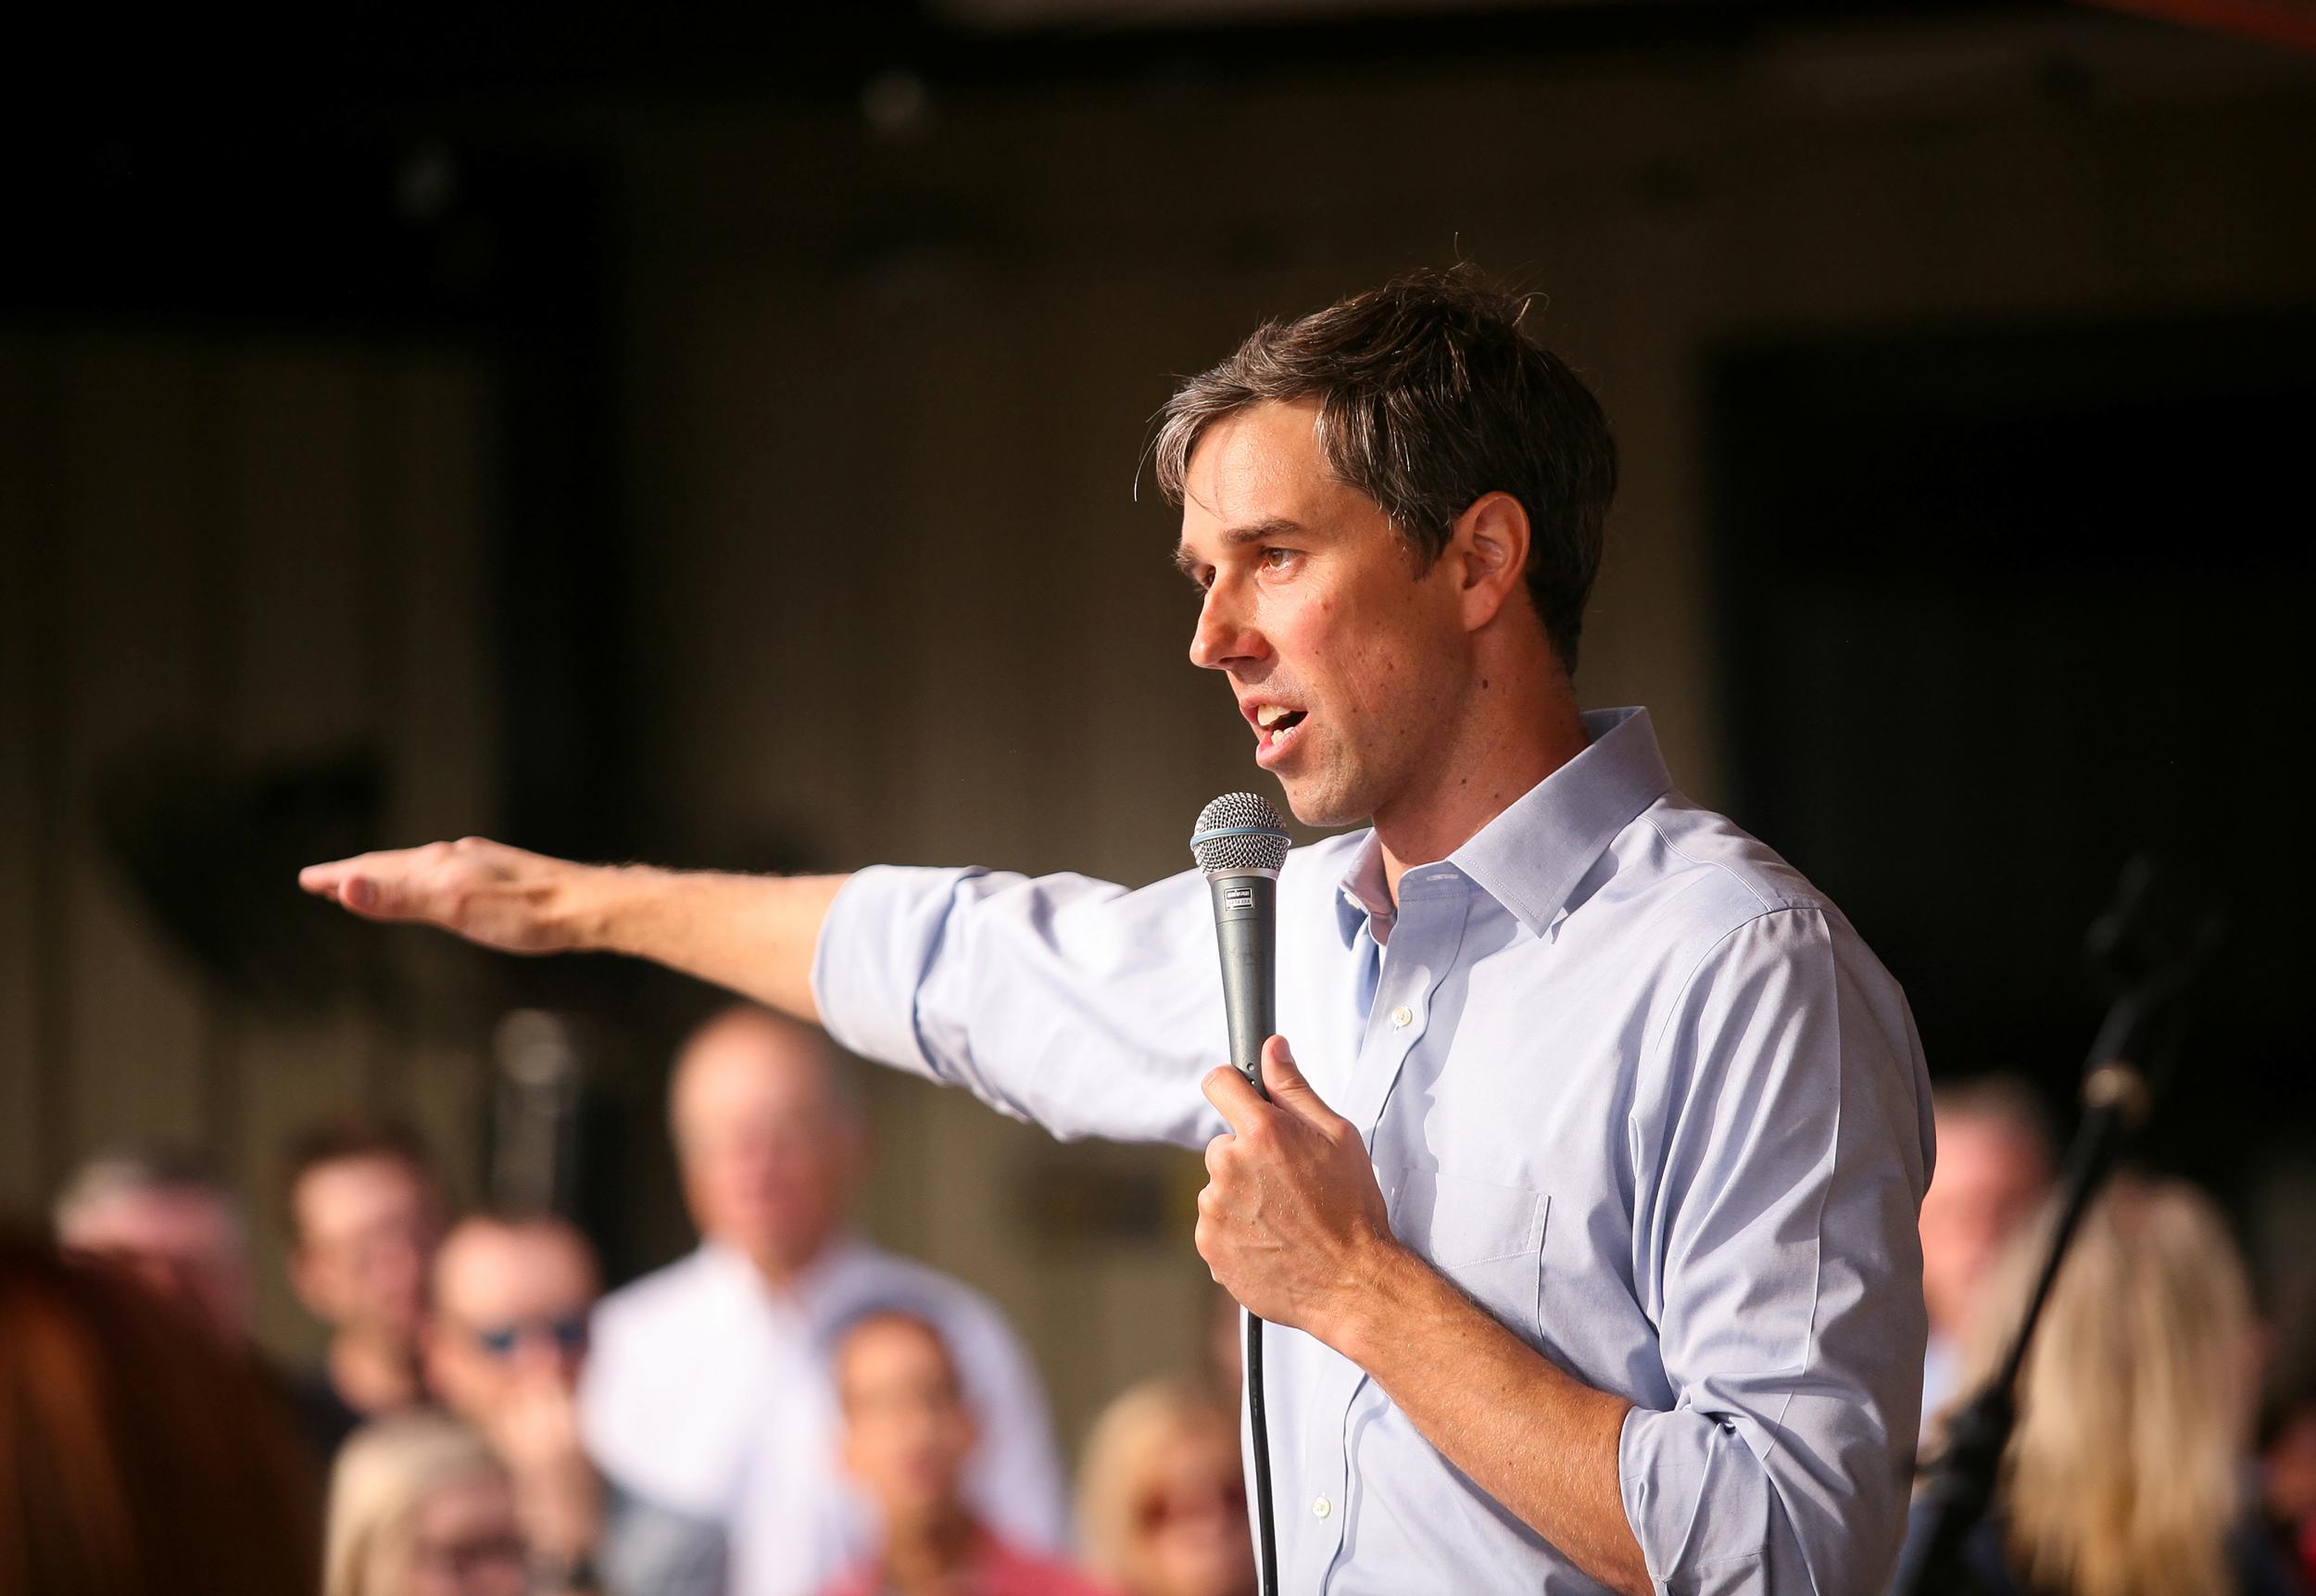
{"x": 1240, "y": 536}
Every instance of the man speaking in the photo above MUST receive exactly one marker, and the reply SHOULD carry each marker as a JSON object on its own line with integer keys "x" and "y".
{"x": 1584, "y": 1211}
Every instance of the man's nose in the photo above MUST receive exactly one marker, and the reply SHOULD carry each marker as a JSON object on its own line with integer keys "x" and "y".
{"x": 1222, "y": 637}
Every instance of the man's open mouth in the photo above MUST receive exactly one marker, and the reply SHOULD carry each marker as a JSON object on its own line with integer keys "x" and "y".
{"x": 1275, "y": 728}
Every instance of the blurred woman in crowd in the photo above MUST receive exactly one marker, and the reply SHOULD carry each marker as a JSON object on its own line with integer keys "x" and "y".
{"x": 419, "y": 1506}
{"x": 138, "y": 1455}
{"x": 2126, "y": 1475}
{"x": 1161, "y": 1501}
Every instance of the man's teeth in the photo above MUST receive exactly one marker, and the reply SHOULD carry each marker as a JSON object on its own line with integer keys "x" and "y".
{"x": 1269, "y": 715}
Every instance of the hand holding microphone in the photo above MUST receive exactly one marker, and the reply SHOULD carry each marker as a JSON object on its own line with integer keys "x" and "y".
{"x": 1292, "y": 1214}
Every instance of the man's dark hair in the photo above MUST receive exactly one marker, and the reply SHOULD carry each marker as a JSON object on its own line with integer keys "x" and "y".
{"x": 344, "y": 1138}
{"x": 1430, "y": 397}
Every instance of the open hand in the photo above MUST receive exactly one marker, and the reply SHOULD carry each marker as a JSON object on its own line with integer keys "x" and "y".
{"x": 1291, "y": 1222}
{"x": 500, "y": 896}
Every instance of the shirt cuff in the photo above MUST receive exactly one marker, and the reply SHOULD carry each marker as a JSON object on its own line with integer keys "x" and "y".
{"x": 878, "y": 939}
{"x": 1697, "y": 1499}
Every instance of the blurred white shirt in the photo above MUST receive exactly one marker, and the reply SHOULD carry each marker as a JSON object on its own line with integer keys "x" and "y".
{"x": 708, "y": 1392}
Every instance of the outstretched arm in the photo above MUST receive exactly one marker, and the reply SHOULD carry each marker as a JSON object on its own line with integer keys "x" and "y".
{"x": 753, "y": 934}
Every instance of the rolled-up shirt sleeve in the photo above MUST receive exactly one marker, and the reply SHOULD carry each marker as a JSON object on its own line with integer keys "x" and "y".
{"x": 1780, "y": 1151}
{"x": 1068, "y": 1002}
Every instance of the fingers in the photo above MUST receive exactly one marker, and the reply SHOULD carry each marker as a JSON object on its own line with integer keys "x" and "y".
{"x": 323, "y": 880}
{"x": 394, "y": 885}
{"x": 348, "y": 883}
{"x": 1234, "y": 1097}
{"x": 1282, "y": 1079}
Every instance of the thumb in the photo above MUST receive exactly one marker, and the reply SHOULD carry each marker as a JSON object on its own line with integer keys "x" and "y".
{"x": 1282, "y": 1079}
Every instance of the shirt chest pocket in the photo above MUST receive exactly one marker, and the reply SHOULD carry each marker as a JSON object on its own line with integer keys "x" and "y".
{"x": 1486, "y": 1238}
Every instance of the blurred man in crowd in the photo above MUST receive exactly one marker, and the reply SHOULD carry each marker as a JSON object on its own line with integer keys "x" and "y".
{"x": 164, "y": 1216}
{"x": 708, "y": 1389}
{"x": 365, "y": 1212}
{"x": 907, "y": 1433}
{"x": 504, "y": 1350}
{"x": 1993, "y": 1170}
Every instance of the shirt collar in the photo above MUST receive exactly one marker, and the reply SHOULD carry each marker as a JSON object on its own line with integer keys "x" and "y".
{"x": 826, "y": 1278}
{"x": 1530, "y": 857}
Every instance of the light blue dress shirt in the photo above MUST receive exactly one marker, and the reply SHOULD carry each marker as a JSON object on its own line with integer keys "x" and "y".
{"x": 1625, "y": 1078}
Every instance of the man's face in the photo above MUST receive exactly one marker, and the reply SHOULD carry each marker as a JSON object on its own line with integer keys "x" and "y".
{"x": 1346, "y": 664}
{"x": 510, "y": 1309}
{"x": 906, "y": 1428}
{"x": 184, "y": 1245}
{"x": 768, "y": 1149}
{"x": 366, "y": 1228}
{"x": 1990, "y": 1179}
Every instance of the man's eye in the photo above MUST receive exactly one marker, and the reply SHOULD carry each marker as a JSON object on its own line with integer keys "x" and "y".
{"x": 1276, "y": 559}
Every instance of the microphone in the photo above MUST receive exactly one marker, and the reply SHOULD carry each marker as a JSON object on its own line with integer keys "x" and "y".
{"x": 1239, "y": 844}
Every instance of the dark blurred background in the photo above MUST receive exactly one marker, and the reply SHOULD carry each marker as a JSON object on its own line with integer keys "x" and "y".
{"x": 713, "y": 438}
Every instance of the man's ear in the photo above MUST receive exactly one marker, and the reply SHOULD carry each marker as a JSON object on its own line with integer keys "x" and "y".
{"x": 1488, "y": 542}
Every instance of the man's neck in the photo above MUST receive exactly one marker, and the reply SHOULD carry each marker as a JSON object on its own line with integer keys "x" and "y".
{"x": 920, "y": 1558}
{"x": 375, "y": 1375}
{"x": 1522, "y": 724}
{"x": 783, "y": 1273}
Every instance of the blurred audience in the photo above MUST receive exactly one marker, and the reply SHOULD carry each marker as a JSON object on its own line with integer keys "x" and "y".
{"x": 421, "y": 1506}
{"x": 504, "y": 1350}
{"x": 138, "y": 1458}
{"x": 163, "y": 1215}
{"x": 2287, "y": 1458}
{"x": 907, "y": 1433}
{"x": 1992, "y": 1170}
{"x": 708, "y": 1389}
{"x": 1162, "y": 1498}
{"x": 365, "y": 1212}
{"x": 2126, "y": 1474}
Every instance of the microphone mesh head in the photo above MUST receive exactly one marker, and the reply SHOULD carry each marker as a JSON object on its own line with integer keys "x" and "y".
{"x": 1239, "y": 832}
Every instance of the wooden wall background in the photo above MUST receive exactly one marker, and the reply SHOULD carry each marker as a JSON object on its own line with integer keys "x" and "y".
{"x": 879, "y": 397}
{"x": 266, "y": 551}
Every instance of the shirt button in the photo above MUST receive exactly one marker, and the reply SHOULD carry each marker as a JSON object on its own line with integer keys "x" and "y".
{"x": 1403, "y": 1016}
{"x": 1322, "y": 1507}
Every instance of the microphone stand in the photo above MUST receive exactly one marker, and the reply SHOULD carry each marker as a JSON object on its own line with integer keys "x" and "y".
{"x": 2131, "y": 1056}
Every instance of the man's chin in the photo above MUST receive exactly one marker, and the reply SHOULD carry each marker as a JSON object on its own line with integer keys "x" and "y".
{"x": 1318, "y": 806}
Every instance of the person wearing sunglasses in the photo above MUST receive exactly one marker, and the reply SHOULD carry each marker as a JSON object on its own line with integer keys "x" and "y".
{"x": 512, "y": 1298}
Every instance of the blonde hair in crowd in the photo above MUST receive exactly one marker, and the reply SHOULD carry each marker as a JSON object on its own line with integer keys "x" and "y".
{"x": 384, "y": 1472}
{"x": 1122, "y": 1452}
{"x": 2134, "y": 1405}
